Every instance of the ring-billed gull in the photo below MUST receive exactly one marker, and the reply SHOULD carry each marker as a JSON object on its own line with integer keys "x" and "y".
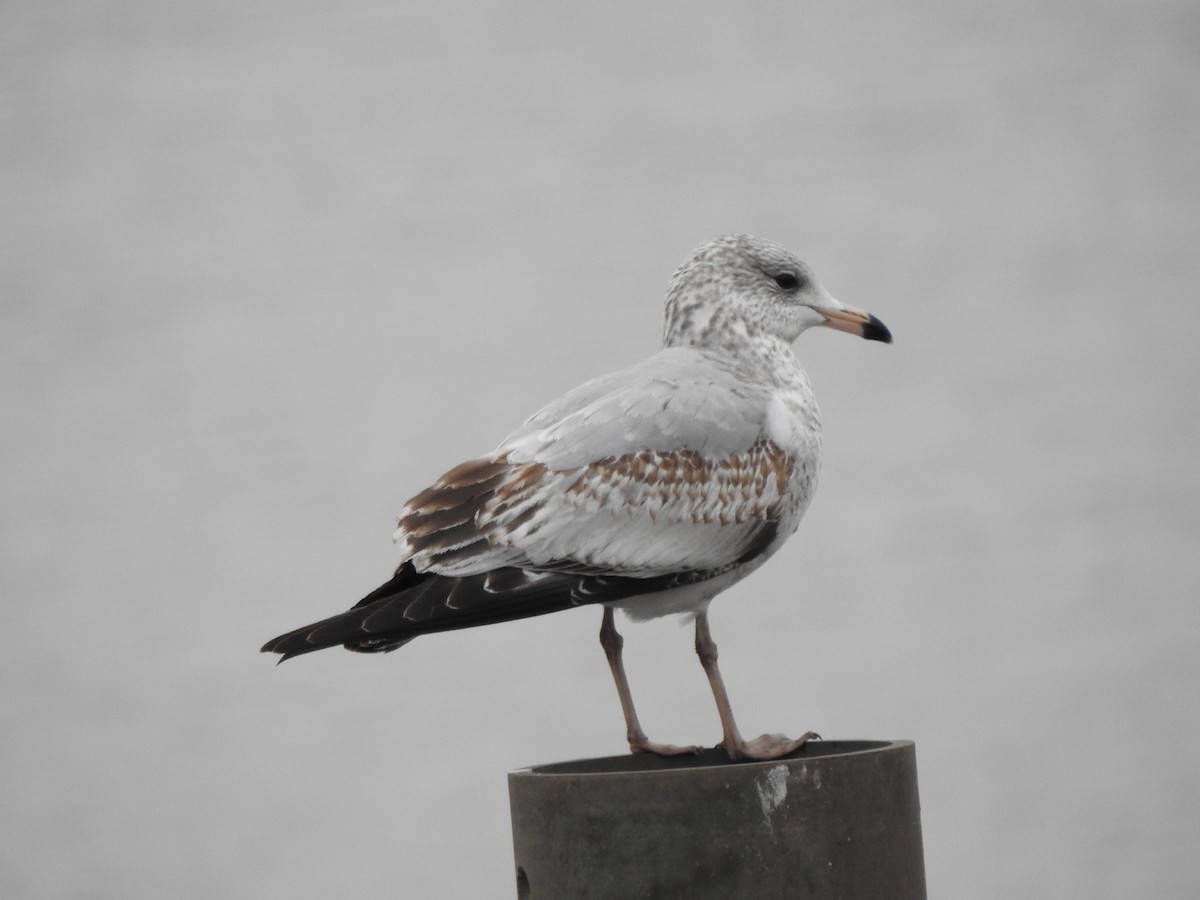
{"x": 650, "y": 490}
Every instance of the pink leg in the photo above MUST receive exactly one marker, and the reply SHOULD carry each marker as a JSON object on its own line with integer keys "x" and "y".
{"x": 767, "y": 746}
{"x": 612, "y": 642}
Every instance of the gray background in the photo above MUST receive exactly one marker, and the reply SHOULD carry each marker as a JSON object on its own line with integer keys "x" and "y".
{"x": 269, "y": 268}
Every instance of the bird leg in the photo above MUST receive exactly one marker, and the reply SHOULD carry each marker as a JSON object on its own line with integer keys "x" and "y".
{"x": 612, "y": 642}
{"x": 767, "y": 746}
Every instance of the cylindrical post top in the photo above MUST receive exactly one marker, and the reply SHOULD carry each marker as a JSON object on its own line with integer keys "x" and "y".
{"x": 835, "y": 819}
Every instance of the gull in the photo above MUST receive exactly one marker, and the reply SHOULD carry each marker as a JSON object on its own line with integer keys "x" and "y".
{"x": 650, "y": 490}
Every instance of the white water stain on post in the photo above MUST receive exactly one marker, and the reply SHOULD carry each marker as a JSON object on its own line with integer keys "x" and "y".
{"x": 772, "y": 791}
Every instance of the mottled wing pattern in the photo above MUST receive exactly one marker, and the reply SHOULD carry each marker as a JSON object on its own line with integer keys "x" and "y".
{"x": 652, "y": 478}
{"x": 641, "y": 514}
{"x": 681, "y": 476}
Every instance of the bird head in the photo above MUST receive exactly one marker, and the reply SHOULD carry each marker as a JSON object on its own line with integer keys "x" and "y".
{"x": 738, "y": 287}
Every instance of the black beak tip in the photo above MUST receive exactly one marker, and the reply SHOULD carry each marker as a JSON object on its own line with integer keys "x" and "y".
{"x": 875, "y": 330}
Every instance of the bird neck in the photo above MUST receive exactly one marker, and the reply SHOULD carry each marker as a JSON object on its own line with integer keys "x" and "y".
{"x": 709, "y": 329}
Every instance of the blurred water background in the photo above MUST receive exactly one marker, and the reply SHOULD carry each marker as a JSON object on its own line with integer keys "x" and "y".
{"x": 268, "y": 268}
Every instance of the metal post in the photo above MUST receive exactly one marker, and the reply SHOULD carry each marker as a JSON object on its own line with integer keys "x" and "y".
{"x": 837, "y": 819}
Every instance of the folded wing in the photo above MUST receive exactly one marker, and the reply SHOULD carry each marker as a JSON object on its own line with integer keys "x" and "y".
{"x": 663, "y": 468}
{"x": 656, "y": 477}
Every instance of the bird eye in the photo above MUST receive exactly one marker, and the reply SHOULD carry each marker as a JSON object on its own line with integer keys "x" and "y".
{"x": 789, "y": 281}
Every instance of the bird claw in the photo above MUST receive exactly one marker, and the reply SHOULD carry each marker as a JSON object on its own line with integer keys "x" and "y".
{"x": 767, "y": 746}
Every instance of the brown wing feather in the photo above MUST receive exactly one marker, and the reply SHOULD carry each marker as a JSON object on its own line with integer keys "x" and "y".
{"x": 489, "y": 511}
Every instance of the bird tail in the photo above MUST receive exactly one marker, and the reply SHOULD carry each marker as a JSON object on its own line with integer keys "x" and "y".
{"x": 414, "y": 603}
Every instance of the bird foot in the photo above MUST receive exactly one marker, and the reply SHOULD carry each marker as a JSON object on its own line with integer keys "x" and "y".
{"x": 644, "y": 745}
{"x": 767, "y": 746}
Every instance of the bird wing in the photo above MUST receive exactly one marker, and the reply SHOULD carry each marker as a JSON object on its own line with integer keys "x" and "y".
{"x": 413, "y": 603}
{"x": 662, "y": 468}
{"x": 680, "y": 398}
{"x": 656, "y": 477}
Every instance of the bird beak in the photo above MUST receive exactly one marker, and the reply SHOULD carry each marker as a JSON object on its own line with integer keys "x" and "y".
{"x": 854, "y": 321}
